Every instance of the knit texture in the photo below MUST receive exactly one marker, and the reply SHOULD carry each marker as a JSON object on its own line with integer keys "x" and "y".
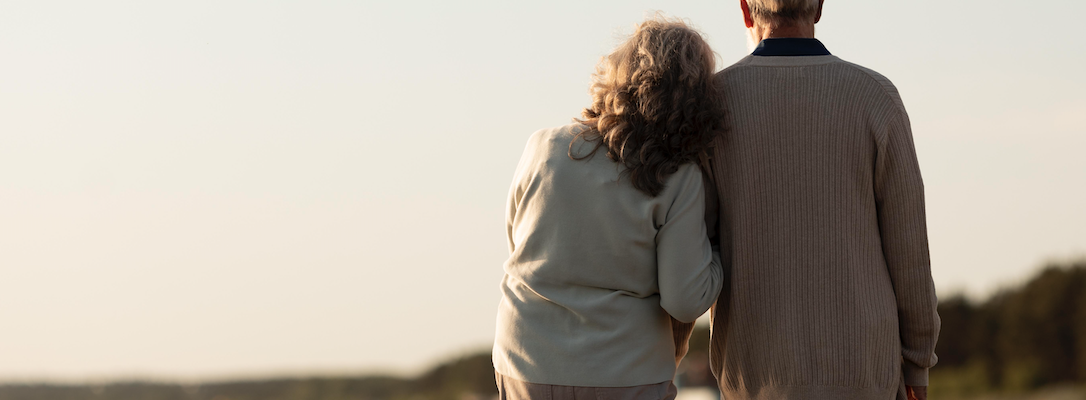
{"x": 827, "y": 291}
{"x": 597, "y": 269}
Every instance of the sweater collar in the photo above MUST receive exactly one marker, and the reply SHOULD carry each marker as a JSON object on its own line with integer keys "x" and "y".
{"x": 790, "y": 47}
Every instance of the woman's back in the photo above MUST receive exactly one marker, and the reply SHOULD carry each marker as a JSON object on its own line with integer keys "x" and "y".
{"x": 596, "y": 266}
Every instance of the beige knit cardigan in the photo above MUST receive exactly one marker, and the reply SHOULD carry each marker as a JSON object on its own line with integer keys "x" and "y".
{"x": 597, "y": 269}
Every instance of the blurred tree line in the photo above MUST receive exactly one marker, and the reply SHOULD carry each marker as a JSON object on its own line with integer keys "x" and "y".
{"x": 1018, "y": 340}
{"x": 467, "y": 378}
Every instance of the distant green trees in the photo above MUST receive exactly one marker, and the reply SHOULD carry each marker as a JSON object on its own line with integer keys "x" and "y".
{"x": 1020, "y": 339}
{"x": 468, "y": 378}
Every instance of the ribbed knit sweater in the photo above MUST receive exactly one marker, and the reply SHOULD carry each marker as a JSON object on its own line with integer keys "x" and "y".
{"x": 828, "y": 291}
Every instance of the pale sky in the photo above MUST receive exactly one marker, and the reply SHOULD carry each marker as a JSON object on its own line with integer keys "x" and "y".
{"x": 211, "y": 189}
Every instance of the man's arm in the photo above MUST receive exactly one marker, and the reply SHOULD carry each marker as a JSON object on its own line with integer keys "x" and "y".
{"x": 899, "y": 193}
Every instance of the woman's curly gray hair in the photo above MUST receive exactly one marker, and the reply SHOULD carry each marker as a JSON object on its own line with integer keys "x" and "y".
{"x": 654, "y": 104}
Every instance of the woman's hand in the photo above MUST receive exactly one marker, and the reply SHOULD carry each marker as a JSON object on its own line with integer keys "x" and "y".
{"x": 917, "y": 392}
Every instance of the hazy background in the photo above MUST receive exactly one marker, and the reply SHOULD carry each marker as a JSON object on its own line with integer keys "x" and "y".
{"x": 213, "y": 189}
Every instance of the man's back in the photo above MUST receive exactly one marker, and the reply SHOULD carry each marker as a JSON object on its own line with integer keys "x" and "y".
{"x": 822, "y": 222}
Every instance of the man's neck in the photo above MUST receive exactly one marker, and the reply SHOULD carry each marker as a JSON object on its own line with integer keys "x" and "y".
{"x": 805, "y": 31}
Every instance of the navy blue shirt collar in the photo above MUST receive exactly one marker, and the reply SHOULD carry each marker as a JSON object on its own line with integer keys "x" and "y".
{"x": 790, "y": 47}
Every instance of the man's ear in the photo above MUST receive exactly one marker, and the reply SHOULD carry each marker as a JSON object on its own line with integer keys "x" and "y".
{"x": 746, "y": 13}
{"x": 819, "y": 15}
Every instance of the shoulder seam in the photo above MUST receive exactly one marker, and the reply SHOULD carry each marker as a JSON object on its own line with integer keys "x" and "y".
{"x": 743, "y": 62}
{"x": 887, "y": 86}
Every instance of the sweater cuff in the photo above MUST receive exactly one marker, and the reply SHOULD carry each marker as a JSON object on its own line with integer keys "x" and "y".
{"x": 914, "y": 374}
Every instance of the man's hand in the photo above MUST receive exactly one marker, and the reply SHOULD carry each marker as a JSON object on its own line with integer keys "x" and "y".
{"x": 917, "y": 392}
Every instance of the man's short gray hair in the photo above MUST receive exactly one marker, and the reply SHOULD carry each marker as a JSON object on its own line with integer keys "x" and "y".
{"x": 783, "y": 12}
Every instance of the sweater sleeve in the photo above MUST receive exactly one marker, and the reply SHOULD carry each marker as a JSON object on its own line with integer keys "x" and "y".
{"x": 899, "y": 195}
{"x": 688, "y": 269}
{"x": 516, "y": 189}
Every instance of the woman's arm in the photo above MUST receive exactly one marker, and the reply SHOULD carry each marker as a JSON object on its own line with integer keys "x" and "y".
{"x": 688, "y": 269}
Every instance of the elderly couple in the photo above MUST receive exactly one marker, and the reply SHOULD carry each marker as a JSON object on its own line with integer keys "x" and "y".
{"x": 782, "y": 192}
